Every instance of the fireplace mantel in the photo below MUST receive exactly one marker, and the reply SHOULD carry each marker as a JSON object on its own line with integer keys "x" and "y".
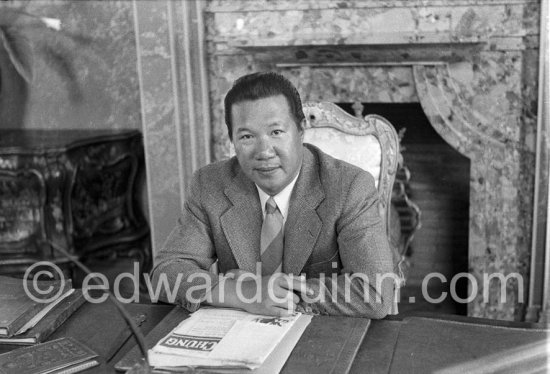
{"x": 467, "y": 64}
{"x": 471, "y": 64}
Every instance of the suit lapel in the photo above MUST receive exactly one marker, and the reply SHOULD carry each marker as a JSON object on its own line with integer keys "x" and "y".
{"x": 242, "y": 223}
{"x": 303, "y": 224}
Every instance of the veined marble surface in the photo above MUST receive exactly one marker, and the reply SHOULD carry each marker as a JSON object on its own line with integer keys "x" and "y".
{"x": 472, "y": 65}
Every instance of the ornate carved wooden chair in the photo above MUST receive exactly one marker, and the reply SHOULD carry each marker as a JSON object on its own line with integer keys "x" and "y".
{"x": 370, "y": 143}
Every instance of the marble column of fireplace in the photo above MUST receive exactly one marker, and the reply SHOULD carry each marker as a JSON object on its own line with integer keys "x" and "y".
{"x": 471, "y": 67}
{"x": 497, "y": 231}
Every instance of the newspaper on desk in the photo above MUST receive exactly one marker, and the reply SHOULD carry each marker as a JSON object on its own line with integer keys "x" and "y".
{"x": 220, "y": 337}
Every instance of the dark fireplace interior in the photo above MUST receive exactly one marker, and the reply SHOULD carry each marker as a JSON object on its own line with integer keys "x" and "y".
{"x": 440, "y": 186}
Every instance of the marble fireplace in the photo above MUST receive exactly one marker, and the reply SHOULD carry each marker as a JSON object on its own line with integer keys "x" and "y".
{"x": 464, "y": 64}
{"x": 470, "y": 64}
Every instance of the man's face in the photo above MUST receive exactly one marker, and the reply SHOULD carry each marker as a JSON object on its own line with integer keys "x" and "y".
{"x": 267, "y": 142}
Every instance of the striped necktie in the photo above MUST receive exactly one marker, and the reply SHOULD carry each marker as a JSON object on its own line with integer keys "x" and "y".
{"x": 272, "y": 239}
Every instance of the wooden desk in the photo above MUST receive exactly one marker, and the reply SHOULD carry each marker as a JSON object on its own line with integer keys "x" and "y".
{"x": 102, "y": 328}
{"x": 429, "y": 343}
{"x": 411, "y": 345}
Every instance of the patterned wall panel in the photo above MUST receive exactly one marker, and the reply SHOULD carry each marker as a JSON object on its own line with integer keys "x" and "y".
{"x": 174, "y": 105}
{"x": 155, "y": 58}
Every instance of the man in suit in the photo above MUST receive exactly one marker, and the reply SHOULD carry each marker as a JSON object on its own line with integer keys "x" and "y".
{"x": 291, "y": 228}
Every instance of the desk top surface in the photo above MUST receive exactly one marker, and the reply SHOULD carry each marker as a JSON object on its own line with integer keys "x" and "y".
{"x": 411, "y": 345}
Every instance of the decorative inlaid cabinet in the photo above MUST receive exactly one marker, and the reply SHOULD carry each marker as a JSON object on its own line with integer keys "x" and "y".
{"x": 70, "y": 188}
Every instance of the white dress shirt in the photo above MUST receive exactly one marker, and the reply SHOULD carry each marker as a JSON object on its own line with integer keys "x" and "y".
{"x": 282, "y": 199}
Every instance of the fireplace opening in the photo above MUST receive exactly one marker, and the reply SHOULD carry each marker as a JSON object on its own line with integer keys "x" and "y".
{"x": 440, "y": 186}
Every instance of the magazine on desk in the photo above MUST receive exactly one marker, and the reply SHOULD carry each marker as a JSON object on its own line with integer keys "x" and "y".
{"x": 229, "y": 338}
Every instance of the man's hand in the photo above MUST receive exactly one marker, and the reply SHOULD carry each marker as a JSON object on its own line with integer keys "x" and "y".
{"x": 269, "y": 295}
{"x": 272, "y": 295}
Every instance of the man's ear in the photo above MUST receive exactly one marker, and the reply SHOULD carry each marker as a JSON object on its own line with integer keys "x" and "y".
{"x": 301, "y": 129}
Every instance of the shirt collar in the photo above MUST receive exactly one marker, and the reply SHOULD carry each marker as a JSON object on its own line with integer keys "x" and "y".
{"x": 282, "y": 199}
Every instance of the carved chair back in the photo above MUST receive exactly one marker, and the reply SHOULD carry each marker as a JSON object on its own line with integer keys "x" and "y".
{"x": 370, "y": 143}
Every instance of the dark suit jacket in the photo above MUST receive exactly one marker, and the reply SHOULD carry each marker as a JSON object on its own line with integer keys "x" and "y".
{"x": 333, "y": 231}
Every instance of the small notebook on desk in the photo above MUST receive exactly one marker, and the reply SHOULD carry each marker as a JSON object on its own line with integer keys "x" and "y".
{"x": 64, "y": 355}
{"x": 47, "y": 325}
{"x": 328, "y": 344}
{"x": 19, "y": 311}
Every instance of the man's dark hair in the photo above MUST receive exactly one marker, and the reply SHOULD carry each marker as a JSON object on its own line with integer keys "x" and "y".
{"x": 260, "y": 86}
